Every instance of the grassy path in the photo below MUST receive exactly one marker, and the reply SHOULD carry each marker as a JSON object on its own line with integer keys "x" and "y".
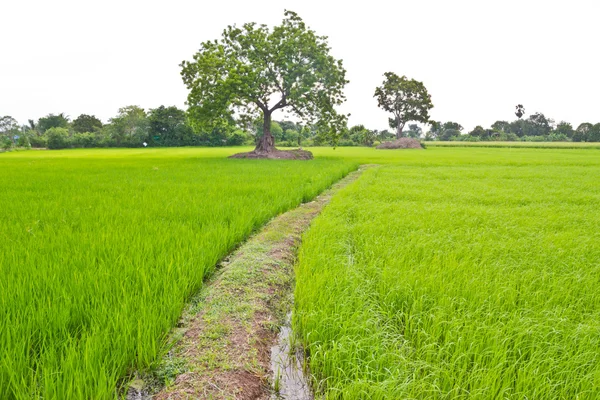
{"x": 222, "y": 347}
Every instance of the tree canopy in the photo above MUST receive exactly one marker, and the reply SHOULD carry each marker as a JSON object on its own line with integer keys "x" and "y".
{"x": 53, "y": 121}
{"x": 253, "y": 71}
{"x": 407, "y": 99}
{"x": 86, "y": 123}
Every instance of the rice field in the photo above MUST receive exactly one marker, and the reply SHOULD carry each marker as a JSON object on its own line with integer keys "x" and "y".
{"x": 529, "y": 145}
{"x": 100, "y": 249}
{"x": 456, "y": 273}
{"x": 450, "y": 273}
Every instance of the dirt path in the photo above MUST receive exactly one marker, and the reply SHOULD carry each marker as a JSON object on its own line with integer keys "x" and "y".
{"x": 223, "y": 343}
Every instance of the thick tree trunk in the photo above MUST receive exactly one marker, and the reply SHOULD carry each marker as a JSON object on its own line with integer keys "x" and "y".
{"x": 266, "y": 143}
{"x": 399, "y": 128}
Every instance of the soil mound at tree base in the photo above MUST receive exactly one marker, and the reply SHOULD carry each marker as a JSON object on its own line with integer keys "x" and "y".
{"x": 298, "y": 154}
{"x": 402, "y": 143}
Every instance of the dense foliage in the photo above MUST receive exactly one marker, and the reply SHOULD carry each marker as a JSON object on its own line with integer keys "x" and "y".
{"x": 254, "y": 71}
{"x": 406, "y": 99}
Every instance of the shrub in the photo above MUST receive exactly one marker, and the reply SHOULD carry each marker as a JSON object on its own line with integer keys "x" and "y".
{"x": 85, "y": 140}
{"x": 6, "y": 143}
{"x": 238, "y": 138}
{"x": 558, "y": 137}
{"x": 38, "y": 141}
{"x": 58, "y": 138}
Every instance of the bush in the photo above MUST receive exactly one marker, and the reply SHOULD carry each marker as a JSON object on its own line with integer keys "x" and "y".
{"x": 558, "y": 137}
{"x": 346, "y": 142}
{"x": 58, "y": 138}
{"x": 38, "y": 141}
{"x": 238, "y": 138}
{"x": 5, "y": 143}
{"x": 533, "y": 139}
{"x": 84, "y": 140}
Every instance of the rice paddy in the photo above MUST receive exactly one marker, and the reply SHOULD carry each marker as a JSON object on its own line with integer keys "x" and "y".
{"x": 99, "y": 251}
{"x": 460, "y": 273}
{"x": 449, "y": 273}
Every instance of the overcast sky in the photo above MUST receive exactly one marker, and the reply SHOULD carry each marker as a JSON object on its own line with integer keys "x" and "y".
{"x": 478, "y": 59}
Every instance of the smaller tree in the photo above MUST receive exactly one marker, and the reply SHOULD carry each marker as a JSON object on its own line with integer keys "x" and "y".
{"x": 130, "y": 125}
{"x": 58, "y": 138}
{"x": 53, "y": 121}
{"x": 362, "y": 135}
{"x": 478, "y": 132}
{"x": 538, "y": 125}
{"x": 501, "y": 126}
{"x": 168, "y": 126}
{"x": 565, "y": 128}
{"x": 582, "y": 132}
{"x": 408, "y": 100}
{"x": 414, "y": 131}
{"x": 9, "y": 128}
{"x": 86, "y": 123}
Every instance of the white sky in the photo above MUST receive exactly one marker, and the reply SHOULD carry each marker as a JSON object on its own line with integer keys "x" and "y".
{"x": 478, "y": 59}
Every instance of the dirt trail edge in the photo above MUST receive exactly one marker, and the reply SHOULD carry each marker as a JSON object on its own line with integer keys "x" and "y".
{"x": 222, "y": 346}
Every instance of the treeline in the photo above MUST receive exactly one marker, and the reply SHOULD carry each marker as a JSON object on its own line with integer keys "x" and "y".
{"x": 159, "y": 127}
{"x": 536, "y": 128}
{"x": 170, "y": 127}
{"x": 131, "y": 127}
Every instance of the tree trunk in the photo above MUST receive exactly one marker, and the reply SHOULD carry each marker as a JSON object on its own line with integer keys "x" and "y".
{"x": 266, "y": 143}
{"x": 399, "y": 128}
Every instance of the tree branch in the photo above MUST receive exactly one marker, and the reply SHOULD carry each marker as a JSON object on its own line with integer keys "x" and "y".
{"x": 261, "y": 105}
{"x": 280, "y": 104}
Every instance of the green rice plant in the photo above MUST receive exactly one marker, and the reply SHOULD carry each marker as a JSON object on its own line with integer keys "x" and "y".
{"x": 536, "y": 145}
{"x": 456, "y": 273}
{"x": 100, "y": 250}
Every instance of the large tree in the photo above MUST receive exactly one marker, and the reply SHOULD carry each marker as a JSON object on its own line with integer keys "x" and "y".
{"x": 253, "y": 71}
{"x": 407, "y": 99}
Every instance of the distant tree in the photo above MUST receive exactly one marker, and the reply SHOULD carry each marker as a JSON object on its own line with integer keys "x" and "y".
{"x": 58, "y": 138}
{"x": 130, "y": 123}
{"x": 453, "y": 125}
{"x": 414, "y": 131}
{"x": 408, "y": 100}
{"x": 288, "y": 125}
{"x": 254, "y": 71}
{"x": 53, "y": 121}
{"x": 501, "y": 126}
{"x": 9, "y": 128}
{"x": 276, "y": 130}
{"x": 565, "y": 128}
{"x": 384, "y": 135}
{"x": 478, "y": 131}
{"x": 86, "y": 123}
{"x": 168, "y": 126}
{"x": 538, "y": 125}
{"x": 435, "y": 130}
{"x": 582, "y": 133}
{"x": 360, "y": 134}
{"x": 594, "y": 134}
{"x": 449, "y": 134}
{"x": 31, "y": 125}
